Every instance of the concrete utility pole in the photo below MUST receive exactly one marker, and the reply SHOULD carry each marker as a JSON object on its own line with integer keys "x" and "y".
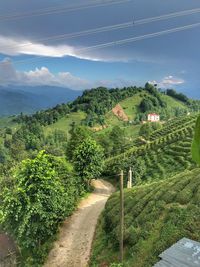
{"x": 129, "y": 183}
{"x": 121, "y": 215}
{"x": 130, "y": 177}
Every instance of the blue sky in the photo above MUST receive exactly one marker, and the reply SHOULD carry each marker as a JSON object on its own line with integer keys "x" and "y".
{"x": 170, "y": 60}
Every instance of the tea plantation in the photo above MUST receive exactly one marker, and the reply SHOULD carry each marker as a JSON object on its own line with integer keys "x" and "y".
{"x": 167, "y": 153}
{"x": 156, "y": 216}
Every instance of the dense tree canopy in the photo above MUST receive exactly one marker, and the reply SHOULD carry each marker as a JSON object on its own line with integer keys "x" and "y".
{"x": 38, "y": 202}
{"x": 88, "y": 160}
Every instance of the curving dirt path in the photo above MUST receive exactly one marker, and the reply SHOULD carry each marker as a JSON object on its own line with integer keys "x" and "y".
{"x": 72, "y": 249}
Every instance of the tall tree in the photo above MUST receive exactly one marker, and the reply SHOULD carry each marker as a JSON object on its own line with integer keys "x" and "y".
{"x": 88, "y": 160}
{"x": 78, "y": 135}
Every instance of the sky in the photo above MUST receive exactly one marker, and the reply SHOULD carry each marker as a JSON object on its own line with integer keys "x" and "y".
{"x": 32, "y": 51}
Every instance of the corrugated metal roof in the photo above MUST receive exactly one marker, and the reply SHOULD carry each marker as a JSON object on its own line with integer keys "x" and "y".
{"x": 185, "y": 253}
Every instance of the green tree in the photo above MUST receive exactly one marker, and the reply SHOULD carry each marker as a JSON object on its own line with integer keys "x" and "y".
{"x": 78, "y": 135}
{"x": 32, "y": 211}
{"x": 118, "y": 139}
{"x": 146, "y": 130}
{"x": 88, "y": 160}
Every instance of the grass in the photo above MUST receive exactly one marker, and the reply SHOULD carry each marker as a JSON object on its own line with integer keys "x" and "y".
{"x": 64, "y": 123}
{"x": 173, "y": 103}
{"x": 131, "y": 105}
{"x": 156, "y": 216}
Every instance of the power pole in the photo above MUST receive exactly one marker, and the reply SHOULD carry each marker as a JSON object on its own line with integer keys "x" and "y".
{"x": 130, "y": 177}
{"x": 121, "y": 215}
{"x": 129, "y": 183}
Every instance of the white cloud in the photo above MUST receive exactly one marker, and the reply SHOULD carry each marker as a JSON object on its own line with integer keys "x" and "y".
{"x": 11, "y": 46}
{"x": 14, "y": 46}
{"x": 168, "y": 81}
{"x": 10, "y": 76}
{"x": 42, "y": 76}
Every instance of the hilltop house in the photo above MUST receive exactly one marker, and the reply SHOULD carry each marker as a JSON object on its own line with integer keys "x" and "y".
{"x": 153, "y": 117}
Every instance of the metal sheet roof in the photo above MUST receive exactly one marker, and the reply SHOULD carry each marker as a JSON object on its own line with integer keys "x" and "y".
{"x": 185, "y": 253}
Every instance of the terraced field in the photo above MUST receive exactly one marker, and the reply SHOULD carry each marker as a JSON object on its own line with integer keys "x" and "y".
{"x": 173, "y": 125}
{"x": 156, "y": 216}
{"x": 167, "y": 154}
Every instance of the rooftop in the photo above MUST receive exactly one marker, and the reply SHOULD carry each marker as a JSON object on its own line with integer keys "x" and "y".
{"x": 185, "y": 253}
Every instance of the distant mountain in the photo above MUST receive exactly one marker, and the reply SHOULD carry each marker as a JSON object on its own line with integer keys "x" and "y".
{"x": 28, "y": 99}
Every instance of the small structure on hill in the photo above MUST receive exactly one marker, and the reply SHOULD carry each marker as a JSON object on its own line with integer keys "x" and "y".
{"x": 7, "y": 251}
{"x": 153, "y": 117}
{"x": 185, "y": 253}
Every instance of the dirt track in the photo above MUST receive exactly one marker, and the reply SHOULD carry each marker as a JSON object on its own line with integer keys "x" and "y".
{"x": 72, "y": 249}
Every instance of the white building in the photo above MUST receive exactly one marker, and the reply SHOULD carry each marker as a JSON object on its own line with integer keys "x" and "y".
{"x": 153, "y": 117}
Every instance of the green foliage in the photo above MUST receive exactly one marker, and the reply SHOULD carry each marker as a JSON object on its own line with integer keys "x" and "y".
{"x": 88, "y": 160}
{"x": 179, "y": 96}
{"x": 78, "y": 135}
{"x": 148, "y": 128}
{"x": 118, "y": 139}
{"x": 45, "y": 117}
{"x": 196, "y": 143}
{"x": 156, "y": 216}
{"x": 42, "y": 197}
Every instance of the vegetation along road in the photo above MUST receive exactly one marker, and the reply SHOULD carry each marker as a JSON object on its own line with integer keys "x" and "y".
{"x": 72, "y": 249}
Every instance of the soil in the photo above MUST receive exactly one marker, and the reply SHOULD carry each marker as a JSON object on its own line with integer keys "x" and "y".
{"x": 119, "y": 112}
{"x": 72, "y": 249}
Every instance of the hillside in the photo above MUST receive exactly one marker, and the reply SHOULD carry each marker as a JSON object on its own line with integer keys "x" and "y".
{"x": 156, "y": 216}
{"x": 166, "y": 153}
{"x": 97, "y": 105}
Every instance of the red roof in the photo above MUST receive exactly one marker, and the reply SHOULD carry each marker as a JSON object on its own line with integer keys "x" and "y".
{"x": 153, "y": 114}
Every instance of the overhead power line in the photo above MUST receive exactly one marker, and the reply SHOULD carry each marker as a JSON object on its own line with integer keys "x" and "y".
{"x": 124, "y": 41}
{"x": 110, "y": 28}
{"x": 123, "y": 25}
{"x": 61, "y": 9}
{"x": 141, "y": 37}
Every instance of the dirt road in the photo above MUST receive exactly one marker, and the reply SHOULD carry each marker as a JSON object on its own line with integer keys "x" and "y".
{"x": 72, "y": 249}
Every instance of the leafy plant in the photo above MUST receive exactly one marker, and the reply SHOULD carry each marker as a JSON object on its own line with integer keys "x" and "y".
{"x": 38, "y": 202}
{"x": 88, "y": 160}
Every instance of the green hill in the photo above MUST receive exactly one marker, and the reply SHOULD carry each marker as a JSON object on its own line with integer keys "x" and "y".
{"x": 94, "y": 109}
{"x": 156, "y": 216}
{"x": 97, "y": 104}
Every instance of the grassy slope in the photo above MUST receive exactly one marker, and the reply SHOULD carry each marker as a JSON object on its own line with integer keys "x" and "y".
{"x": 173, "y": 103}
{"x": 64, "y": 123}
{"x": 131, "y": 108}
{"x": 156, "y": 216}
